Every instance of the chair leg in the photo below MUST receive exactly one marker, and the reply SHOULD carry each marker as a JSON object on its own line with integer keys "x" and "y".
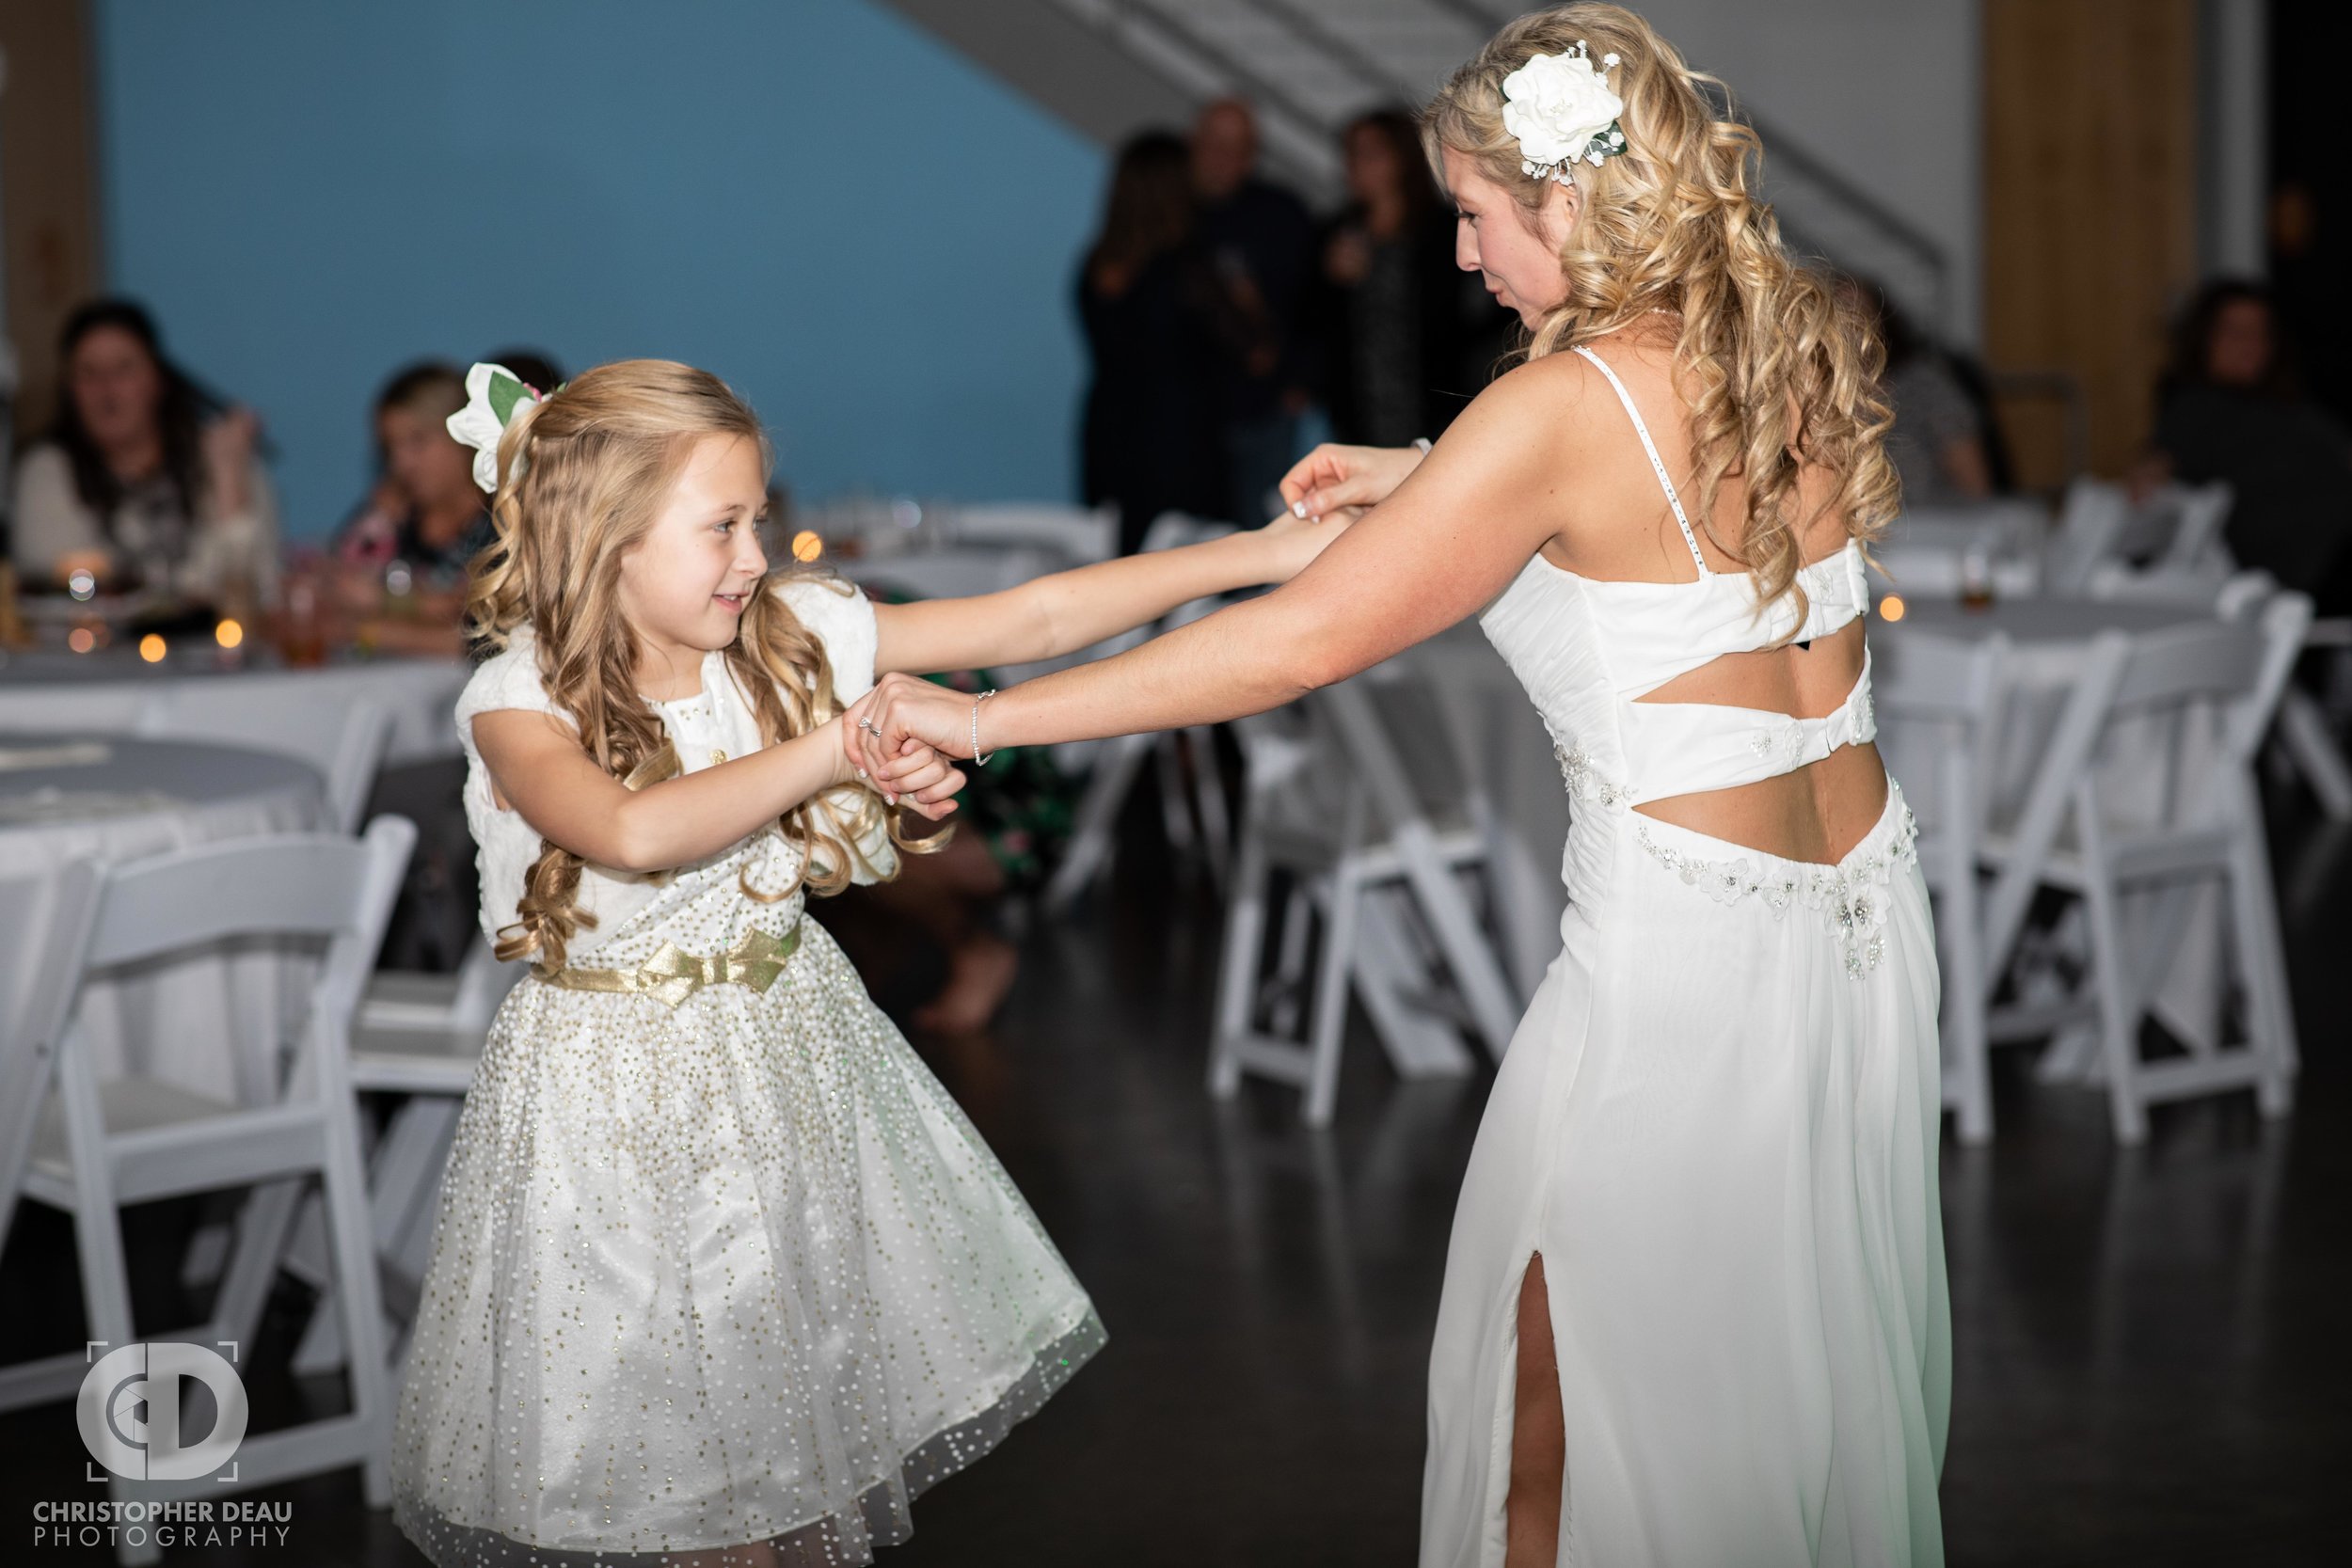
{"x": 263, "y": 1228}
{"x": 2118, "y": 1013}
{"x": 2303, "y": 730}
{"x": 1963, "y": 1004}
{"x": 356, "y": 1286}
{"x": 1208, "y": 784}
{"x": 2262, "y": 966}
{"x": 1237, "y": 972}
{"x": 1175, "y": 819}
{"x": 1330, "y": 1010}
{"x": 1092, "y": 839}
{"x": 106, "y": 1296}
{"x": 1290, "y": 970}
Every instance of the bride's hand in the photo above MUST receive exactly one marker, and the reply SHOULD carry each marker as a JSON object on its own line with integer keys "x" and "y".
{"x": 904, "y": 724}
{"x": 1333, "y": 475}
{"x": 920, "y": 777}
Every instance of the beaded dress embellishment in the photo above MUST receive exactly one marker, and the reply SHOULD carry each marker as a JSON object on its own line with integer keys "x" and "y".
{"x": 1850, "y": 896}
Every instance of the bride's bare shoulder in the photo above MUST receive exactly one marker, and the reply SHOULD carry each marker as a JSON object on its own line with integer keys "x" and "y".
{"x": 1544, "y": 401}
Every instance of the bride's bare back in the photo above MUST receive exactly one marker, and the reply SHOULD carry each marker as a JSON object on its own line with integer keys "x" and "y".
{"x": 1617, "y": 527}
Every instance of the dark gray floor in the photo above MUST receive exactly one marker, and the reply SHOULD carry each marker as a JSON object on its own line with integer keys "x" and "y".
{"x": 2148, "y": 1363}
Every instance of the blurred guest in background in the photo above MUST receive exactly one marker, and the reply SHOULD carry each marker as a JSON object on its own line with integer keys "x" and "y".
{"x": 1159, "y": 331}
{"x": 2228, "y": 408}
{"x": 1261, "y": 244}
{"x": 1392, "y": 334}
{"x": 1943, "y": 438}
{"x": 402, "y": 557}
{"x": 144, "y": 480}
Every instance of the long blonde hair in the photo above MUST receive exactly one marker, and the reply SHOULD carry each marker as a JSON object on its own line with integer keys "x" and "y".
{"x": 1786, "y": 367}
{"x": 601, "y": 457}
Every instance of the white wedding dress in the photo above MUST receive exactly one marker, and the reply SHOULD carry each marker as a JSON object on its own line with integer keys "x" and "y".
{"x": 1717, "y": 1124}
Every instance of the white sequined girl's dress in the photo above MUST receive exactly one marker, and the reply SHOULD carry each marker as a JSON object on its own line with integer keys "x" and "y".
{"x": 717, "y": 1262}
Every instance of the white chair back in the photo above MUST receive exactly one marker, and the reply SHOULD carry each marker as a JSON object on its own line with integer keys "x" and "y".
{"x": 44, "y": 934}
{"x": 2090, "y": 526}
{"x": 291, "y": 885}
{"x": 2198, "y": 514}
{"x": 344, "y": 739}
{"x": 1939, "y": 703}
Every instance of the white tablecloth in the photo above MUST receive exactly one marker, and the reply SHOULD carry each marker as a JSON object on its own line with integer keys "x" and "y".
{"x": 205, "y": 1021}
{"x": 104, "y": 690}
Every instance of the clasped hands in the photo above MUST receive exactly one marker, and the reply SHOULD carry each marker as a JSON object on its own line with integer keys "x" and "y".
{"x": 929, "y": 730}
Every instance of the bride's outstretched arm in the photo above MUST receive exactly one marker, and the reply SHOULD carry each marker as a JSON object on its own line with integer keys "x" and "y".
{"x": 1063, "y": 612}
{"x": 1450, "y": 538}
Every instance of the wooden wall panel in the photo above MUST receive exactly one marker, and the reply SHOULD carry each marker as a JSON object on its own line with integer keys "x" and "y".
{"x": 2091, "y": 171}
{"x": 48, "y": 186}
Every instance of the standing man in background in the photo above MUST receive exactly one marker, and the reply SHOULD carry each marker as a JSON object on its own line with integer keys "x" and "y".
{"x": 1259, "y": 244}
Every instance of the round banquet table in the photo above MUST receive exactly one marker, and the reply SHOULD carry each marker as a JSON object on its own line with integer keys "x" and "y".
{"x": 56, "y": 690}
{"x": 205, "y": 1021}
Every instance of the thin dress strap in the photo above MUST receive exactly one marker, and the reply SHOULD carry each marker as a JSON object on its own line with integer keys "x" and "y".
{"x": 1656, "y": 463}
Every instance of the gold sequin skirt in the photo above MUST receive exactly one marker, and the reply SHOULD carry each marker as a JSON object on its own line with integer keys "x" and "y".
{"x": 735, "y": 1274}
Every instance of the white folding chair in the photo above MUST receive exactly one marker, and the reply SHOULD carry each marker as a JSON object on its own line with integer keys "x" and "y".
{"x": 432, "y": 1065}
{"x": 1940, "y": 701}
{"x": 2090, "y": 526}
{"x": 418, "y": 1034}
{"x": 97, "y": 1147}
{"x": 44, "y": 932}
{"x": 1379, "y": 850}
{"x": 405, "y": 1001}
{"x": 2198, "y": 514}
{"x": 2206, "y": 694}
{"x": 344, "y": 739}
{"x": 2305, "y": 743}
{"x": 1082, "y": 534}
{"x": 1118, "y": 761}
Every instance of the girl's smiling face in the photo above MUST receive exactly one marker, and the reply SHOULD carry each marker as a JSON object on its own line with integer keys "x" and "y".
{"x": 684, "y": 586}
{"x": 1516, "y": 251}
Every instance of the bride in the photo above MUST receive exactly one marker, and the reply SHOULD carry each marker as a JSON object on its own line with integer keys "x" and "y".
{"x": 1695, "y": 1308}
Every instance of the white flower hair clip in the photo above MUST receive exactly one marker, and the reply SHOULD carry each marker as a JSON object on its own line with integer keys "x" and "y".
{"x": 1563, "y": 112}
{"x": 493, "y": 393}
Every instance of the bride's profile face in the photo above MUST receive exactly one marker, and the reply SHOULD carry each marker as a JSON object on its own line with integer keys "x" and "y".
{"x": 1494, "y": 236}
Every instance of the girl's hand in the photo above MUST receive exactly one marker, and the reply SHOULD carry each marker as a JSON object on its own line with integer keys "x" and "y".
{"x": 903, "y": 709}
{"x": 1291, "y": 543}
{"x": 1332, "y": 475}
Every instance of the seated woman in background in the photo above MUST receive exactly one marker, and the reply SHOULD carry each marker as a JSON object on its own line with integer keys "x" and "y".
{"x": 400, "y": 559}
{"x": 144, "y": 481}
{"x": 2228, "y": 408}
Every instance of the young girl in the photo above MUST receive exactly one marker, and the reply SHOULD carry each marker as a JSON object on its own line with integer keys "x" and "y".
{"x": 720, "y": 1274}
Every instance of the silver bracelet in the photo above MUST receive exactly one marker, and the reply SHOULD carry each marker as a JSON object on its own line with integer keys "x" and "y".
{"x": 1422, "y": 442}
{"x": 979, "y": 760}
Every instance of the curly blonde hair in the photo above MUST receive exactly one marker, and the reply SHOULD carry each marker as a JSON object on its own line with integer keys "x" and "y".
{"x": 602, "y": 457}
{"x": 1788, "y": 369}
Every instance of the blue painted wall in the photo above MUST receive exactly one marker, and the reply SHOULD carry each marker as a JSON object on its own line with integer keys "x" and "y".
{"x": 863, "y": 233}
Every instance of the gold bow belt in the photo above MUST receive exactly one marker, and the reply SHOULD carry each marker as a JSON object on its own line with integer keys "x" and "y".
{"x": 672, "y": 975}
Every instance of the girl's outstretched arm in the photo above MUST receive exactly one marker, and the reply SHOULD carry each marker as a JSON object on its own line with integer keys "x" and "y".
{"x": 538, "y": 767}
{"x": 1493, "y": 491}
{"x": 1068, "y": 611}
